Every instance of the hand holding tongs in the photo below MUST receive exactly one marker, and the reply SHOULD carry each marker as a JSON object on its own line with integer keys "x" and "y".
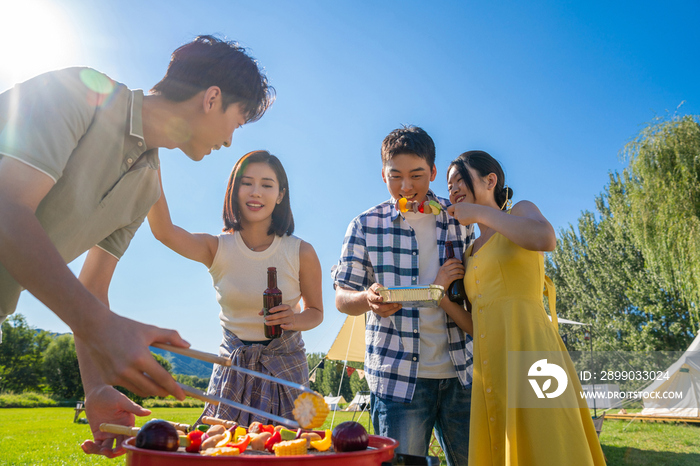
{"x": 213, "y": 399}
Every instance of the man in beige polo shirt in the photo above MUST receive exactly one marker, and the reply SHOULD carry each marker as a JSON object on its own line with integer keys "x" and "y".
{"x": 79, "y": 172}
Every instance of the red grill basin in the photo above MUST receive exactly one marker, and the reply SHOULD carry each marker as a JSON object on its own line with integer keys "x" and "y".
{"x": 381, "y": 450}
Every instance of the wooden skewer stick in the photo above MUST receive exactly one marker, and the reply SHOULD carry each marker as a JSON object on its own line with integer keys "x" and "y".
{"x": 181, "y": 427}
{"x": 119, "y": 429}
{"x": 213, "y": 421}
{"x": 201, "y": 355}
{"x": 215, "y": 400}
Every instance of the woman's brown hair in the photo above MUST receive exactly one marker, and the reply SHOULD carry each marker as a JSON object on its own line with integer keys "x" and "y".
{"x": 282, "y": 218}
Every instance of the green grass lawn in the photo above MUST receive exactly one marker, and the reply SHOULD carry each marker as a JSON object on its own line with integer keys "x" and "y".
{"x": 37, "y": 436}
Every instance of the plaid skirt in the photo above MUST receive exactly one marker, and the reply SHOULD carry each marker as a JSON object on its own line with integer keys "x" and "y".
{"x": 283, "y": 357}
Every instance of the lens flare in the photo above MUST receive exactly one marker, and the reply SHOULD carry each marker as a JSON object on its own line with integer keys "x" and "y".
{"x": 35, "y": 36}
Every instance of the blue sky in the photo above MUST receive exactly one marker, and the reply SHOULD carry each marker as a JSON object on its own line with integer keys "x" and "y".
{"x": 554, "y": 90}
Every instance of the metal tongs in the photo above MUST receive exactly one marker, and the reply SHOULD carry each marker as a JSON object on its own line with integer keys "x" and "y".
{"x": 215, "y": 400}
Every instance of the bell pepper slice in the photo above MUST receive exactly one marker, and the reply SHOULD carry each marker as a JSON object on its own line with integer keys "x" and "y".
{"x": 195, "y": 441}
{"x": 225, "y": 440}
{"x": 267, "y": 428}
{"x": 287, "y": 434}
{"x": 276, "y": 438}
{"x": 324, "y": 444}
{"x": 241, "y": 444}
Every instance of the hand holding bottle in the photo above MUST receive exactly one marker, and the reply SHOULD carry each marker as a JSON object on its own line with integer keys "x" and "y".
{"x": 272, "y": 297}
{"x": 455, "y": 291}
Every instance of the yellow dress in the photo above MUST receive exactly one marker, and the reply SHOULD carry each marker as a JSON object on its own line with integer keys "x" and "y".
{"x": 504, "y": 283}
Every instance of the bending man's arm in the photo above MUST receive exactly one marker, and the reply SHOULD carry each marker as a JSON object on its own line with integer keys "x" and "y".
{"x": 103, "y": 403}
{"x": 118, "y": 347}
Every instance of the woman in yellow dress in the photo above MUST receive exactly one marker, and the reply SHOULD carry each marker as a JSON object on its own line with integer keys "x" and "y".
{"x": 527, "y": 409}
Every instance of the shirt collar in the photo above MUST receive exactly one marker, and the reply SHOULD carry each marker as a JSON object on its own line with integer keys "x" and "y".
{"x": 135, "y": 114}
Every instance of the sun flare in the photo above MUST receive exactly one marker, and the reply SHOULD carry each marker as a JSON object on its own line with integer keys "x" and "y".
{"x": 35, "y": 36}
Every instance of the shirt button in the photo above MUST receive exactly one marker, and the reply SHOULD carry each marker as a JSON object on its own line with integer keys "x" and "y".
{"x": 488, "y": 390}
{"x": 481, "y": 311}
{"x": 129, "y": 160}
{"x": 140, "y": 144}
{"x": 492, "y": 419}
{"x": 415, "y": 330}
{"x": 415, "y": 278}
{"x": 475, "y": 267}
{"x": 482, "y": 335}
{"x": 477, "y": 282}
{"x": 414, "y": 253}
{"x": 486, "y": 362}
{"x": 415, "y": 358}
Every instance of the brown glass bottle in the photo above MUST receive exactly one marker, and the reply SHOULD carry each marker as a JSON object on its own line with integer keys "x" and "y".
{"x": 272, "y": 297}
{"x": 455, "y": 292}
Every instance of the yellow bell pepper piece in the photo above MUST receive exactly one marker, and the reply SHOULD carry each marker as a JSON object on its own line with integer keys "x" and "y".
{"x": 240, "y": 432}
{"x": 225, "y": 440}
{"x": 323, "y": 444}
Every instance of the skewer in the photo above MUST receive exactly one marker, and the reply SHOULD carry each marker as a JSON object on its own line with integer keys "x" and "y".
{"x": 213, "y": 421}
{"x": 215, "y": 400}
{"x": 196, "y": 354}
{"x": 208, "y": 357}
{"x": 119, "y": 429}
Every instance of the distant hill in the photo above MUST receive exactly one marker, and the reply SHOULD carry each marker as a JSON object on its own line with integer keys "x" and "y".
{"x": 181, "y": 364}
{"x": 186, "y": 365}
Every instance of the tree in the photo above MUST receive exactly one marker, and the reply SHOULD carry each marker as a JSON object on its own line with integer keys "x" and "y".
{"x": 662, "y": 204}
{"x": 139, "y": 399}
{"x": 601, "y": 278}
{"x": 21, "y": 355}
{"x": 313, "y": 359}
{"x": 357, "y": 384}
{"x": 61, "y": 368}
{"x": 193, "y": 381}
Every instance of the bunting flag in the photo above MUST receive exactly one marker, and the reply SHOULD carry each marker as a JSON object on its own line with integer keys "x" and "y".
{"x": 338, "y": 366}
{"x": 350, "y": 370}
{"x": 360, "y": 374}
{"x": 321, "y": 364}
{"x": 312, "y": 377}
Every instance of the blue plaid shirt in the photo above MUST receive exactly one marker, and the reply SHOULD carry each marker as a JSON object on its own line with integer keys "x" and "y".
{"x": 380, "y": 246}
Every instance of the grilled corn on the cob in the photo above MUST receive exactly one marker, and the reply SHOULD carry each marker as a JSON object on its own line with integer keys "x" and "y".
{"x": 290, "y": 447}
{"x": 221, "y": 451}
{"x": 310, "y": 410}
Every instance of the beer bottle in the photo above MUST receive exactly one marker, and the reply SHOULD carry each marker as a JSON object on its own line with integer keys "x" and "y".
{"x": 455, "y": 292}
{"x": 272, "y": 297}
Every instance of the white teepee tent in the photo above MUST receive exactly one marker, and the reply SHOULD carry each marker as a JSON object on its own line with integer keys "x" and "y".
{"x": 684, "y": 378}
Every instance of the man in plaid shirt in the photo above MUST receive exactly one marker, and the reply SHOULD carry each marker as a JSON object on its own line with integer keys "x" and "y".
{"x": 418, "y": 360}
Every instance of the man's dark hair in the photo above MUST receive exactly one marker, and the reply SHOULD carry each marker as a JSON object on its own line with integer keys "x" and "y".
{"x": 282, "y": 218}
{"x": 208, "y": 61}
{"x": 409, "y": 140}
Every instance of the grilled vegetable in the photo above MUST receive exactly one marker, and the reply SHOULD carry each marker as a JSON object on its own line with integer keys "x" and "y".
{"x": 275, "y": 438}
{"x": 290, "y": 448}
{"x": 158, "y": 435}
{"x": 310, "y": 410}
{"x": 194, "y": 439}
{"x": 324, "y": 444}
{"x": 350, "y": 436}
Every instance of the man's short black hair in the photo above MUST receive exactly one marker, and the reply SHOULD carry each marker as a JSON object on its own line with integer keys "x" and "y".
{"x": 408, "y": 140}
{"x": 208, "y": 61}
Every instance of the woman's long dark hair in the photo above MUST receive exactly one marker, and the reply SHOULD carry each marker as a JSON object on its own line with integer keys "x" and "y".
{"x": 282, "y": 218}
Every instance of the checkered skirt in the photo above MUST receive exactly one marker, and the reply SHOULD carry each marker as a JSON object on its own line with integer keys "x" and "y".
{"x": 284, "y": 357}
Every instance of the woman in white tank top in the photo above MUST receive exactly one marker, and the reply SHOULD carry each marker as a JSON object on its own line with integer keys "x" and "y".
{"x": 257, "y": 234}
